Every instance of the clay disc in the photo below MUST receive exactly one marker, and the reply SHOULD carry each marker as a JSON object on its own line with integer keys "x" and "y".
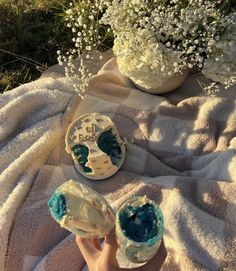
{"x": 95, "y": 145}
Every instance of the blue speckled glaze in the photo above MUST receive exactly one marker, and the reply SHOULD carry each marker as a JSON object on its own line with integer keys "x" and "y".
{"x": 57, "y": 205}
{"x": 139, "y": 224}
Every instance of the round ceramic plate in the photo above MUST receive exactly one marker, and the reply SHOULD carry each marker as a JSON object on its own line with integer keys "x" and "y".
{"x": 95, "y": 145}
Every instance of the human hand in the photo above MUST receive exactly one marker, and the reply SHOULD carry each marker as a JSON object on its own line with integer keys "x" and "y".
{"x": 104, "y": 259}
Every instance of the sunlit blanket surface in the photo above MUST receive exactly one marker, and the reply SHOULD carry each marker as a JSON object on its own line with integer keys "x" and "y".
{"x": 181, "y": 152}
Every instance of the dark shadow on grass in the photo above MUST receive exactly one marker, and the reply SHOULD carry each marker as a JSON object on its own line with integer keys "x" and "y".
{"x": 30, "y": 38}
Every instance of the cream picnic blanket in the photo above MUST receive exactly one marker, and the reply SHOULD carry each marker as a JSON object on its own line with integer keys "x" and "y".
{"x": 181, "y": 152}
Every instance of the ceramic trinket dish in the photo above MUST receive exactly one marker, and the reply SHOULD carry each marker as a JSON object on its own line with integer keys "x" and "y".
{"x": 95, "y": 145}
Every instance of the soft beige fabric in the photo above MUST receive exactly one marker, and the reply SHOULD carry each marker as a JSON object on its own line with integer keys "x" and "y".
{"x": 181, "y": 152}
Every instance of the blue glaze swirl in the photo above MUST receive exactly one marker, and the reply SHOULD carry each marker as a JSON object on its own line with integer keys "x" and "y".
{"x": 139, "y": 224}
{"x": 108, "y": 143}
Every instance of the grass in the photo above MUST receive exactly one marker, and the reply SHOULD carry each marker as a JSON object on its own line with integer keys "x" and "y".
{"x": 31, "y": 32}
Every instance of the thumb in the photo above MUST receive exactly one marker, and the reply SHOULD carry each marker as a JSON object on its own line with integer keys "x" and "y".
{"x": 110, "y": 246}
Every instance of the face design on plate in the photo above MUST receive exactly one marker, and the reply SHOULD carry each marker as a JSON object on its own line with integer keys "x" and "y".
{"x": 95, "y": 146}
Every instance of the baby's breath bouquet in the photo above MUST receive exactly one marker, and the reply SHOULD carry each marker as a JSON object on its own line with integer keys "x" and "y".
{"x": 153, "y": 40}
{"x": 83, "y": 18}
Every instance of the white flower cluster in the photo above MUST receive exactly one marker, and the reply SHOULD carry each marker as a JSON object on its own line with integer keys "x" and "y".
{"x": 83, "y": 18}
{"x": 212, "y": 89}
{"x": 153, "y": 39}
{"x": 156, "y": 39}
{"x": 220, "y": 66}
{"x": 144, "y": 63}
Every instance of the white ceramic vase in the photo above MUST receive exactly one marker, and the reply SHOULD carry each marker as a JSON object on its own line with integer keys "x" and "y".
{"x": 169, "y": 85}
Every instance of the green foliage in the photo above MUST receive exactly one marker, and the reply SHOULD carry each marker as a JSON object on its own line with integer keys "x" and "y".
{"x": 31, "y": 32}
{"x": 10, "y": 79}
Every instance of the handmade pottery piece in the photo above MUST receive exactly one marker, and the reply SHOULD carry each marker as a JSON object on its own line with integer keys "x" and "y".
{"x": 169, "y": 85}
{"x": 139, "y": 229}
{"x": 95, "y": 145}
{"x": 81, "y": 210}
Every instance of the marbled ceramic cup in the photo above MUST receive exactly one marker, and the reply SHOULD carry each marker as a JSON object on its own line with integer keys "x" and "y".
{"x": 138, "y": 247}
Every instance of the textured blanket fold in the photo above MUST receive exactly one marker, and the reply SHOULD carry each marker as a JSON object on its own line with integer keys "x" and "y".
{"x": 181, "y": 152}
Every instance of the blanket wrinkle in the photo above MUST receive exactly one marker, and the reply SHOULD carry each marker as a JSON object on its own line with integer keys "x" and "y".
{"x": 21, "y": 161}
{"x": 28, "y": 109}
{"x": 71, "y": 253}
{"x": 28, "y": 137}
{"x": 180, "y": 152}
